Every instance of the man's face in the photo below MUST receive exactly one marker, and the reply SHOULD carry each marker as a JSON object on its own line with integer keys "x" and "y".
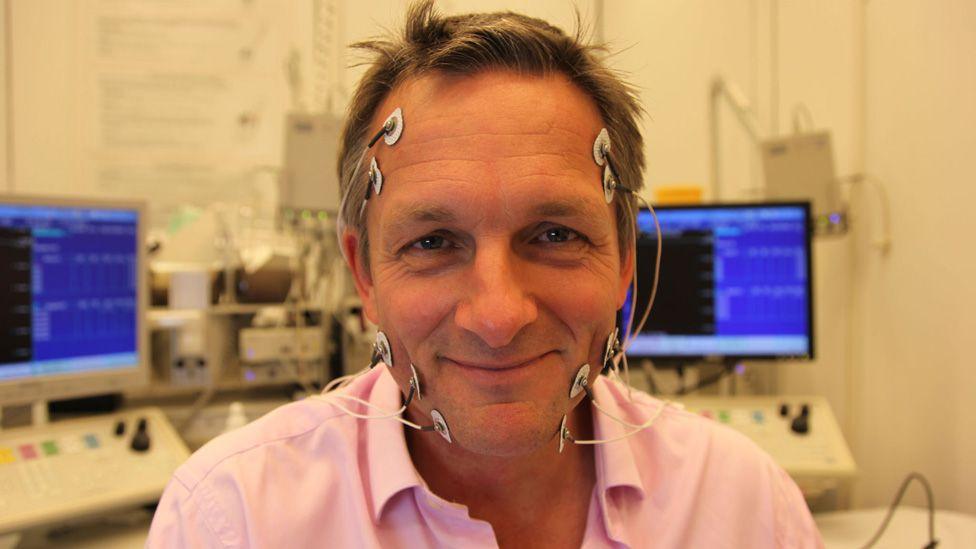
{"x": 494, "y": 259}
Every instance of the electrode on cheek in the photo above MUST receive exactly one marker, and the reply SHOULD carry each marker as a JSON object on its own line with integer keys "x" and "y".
{"x": 563, "y": 434}
{"x": 415, "y": 381}
{"x": 613, "y": 347}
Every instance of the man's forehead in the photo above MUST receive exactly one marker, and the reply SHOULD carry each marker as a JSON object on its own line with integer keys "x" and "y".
{"x": 495, "y": 125}
{"x": 441, "y": 106}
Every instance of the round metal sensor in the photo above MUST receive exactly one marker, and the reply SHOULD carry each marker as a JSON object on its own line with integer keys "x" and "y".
{"x": 580, "y": 381}
{"x": 393, "y": 127}
{"x": 609, "y": 184}
{"x": 612, "y": 342}
{"x": 440, "y": 425}
{"x": 382, "y": 346}
{"x": 375, "y": 176}
{"x": 563, "y": 434}
{"x": 601, "y": 144}
{"x": 415, "y": 380}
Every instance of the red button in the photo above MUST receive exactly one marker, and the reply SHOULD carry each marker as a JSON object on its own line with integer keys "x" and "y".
{"x": 28, "y": 451}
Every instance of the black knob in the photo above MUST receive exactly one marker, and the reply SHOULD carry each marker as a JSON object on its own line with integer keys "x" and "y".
{"x": 801, "y": 424}
{"x": 805, "y": 410}
{"x": 784, "y": 409}
{"x": 140, "y": 441}
{"x": 120, "y": 428}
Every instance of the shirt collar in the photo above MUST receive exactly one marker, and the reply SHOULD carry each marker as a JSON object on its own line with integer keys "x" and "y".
{"x": 616, "y": 466}
{"x": 615, "y": 462}
{"x": 390, "y": 467}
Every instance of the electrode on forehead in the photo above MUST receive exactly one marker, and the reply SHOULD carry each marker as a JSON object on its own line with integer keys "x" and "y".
{"x": 580, "y": 382}
{"x": 382, "y": 347}
{"x": 391, "y": 131}
{"x": 440, "y": 425}
{"x": 393, "y": 127}
{"x": 609, "y": 184}
{"x": 375, "y": 176}
{"x": 601, "y": 146}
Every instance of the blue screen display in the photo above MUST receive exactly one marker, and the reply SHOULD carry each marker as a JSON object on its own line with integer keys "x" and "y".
{"x": 735, "y": 282}
{"x": 70, "y": 275}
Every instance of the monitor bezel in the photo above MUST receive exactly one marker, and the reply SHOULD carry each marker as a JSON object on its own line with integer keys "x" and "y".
{"x": 673, "y": 359}
{"x": 62, "y": 386}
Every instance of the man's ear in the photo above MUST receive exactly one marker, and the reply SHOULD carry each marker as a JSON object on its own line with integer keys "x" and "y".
{"x": 626, "y": 274}
{"x": 360, "y": 273}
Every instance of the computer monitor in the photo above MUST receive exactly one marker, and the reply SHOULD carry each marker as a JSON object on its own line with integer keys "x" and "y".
{"x": 72, "y": 298}
{"x": 735, "y": 283}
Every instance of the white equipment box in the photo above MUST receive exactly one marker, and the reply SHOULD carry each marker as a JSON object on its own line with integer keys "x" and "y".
{"x": 819, "y": 453}
{"x": 274, "y": 344}
{"x": 79, "y": 467}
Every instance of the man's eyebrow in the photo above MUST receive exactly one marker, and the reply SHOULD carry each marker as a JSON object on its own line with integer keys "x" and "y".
{"x": 565, "y": 208}
{"x": 418, "y": 213}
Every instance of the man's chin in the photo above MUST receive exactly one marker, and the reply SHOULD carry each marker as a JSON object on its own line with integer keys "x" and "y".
{"x": 502, "y": 430}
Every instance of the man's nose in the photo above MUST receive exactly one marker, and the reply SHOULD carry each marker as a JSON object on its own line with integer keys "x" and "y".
{"x": 497, "y": 304}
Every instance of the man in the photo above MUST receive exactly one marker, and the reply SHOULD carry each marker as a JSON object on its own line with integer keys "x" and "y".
{"x": 492, "y": 244}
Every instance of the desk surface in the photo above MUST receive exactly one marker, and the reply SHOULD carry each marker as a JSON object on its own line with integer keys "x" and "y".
{"x": 909, "y": 528}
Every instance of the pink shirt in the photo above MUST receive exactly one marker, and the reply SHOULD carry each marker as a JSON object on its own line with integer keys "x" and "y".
{"x": 308, "y": 475}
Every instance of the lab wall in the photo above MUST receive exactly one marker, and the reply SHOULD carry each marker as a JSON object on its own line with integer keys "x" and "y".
{"x": 893, "y": 81}
{"x": 914, "y": 309}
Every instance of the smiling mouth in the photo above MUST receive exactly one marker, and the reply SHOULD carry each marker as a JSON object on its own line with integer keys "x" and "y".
{"x": 501, "y": 367}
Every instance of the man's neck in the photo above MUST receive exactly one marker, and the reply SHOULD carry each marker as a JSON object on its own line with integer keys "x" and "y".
{"x": 519, "y": 496}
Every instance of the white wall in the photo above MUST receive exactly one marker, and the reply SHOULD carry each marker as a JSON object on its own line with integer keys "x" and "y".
{"x": 893, "y": 329}
{"x": 914, "y": 310}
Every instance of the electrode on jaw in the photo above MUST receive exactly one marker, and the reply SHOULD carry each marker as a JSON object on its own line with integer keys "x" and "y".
{"x": 382, "y": 348}
{"x": 440, "y": 425}
{"x": 579, "y": 383}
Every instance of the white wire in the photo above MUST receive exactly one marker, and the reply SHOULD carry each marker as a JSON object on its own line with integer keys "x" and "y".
{"x": 389, "y": 415}
{"x": 342, "y": 381}
{"x": 657, "y": 277}
{"x": 613, "y": 417}
{"x": 621, "y": 356}
{"x": 636, "y": 429}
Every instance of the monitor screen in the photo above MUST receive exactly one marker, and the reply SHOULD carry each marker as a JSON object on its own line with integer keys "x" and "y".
{"x": 735, "y": 283}
{"x": 71, "y": 300}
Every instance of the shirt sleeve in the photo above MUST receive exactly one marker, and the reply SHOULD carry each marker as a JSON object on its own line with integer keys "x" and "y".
{"x": 180, "y": 522}
{"x": 795, "y": 527}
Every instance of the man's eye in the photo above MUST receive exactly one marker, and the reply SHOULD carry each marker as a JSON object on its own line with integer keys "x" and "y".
{"x": 430, "y": 242}
{"x": 558, "y": 234}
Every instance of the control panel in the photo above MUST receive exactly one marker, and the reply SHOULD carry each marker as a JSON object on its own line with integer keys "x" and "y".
{"x": 799, "y": 432}
{"x": 72, "y": 468}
